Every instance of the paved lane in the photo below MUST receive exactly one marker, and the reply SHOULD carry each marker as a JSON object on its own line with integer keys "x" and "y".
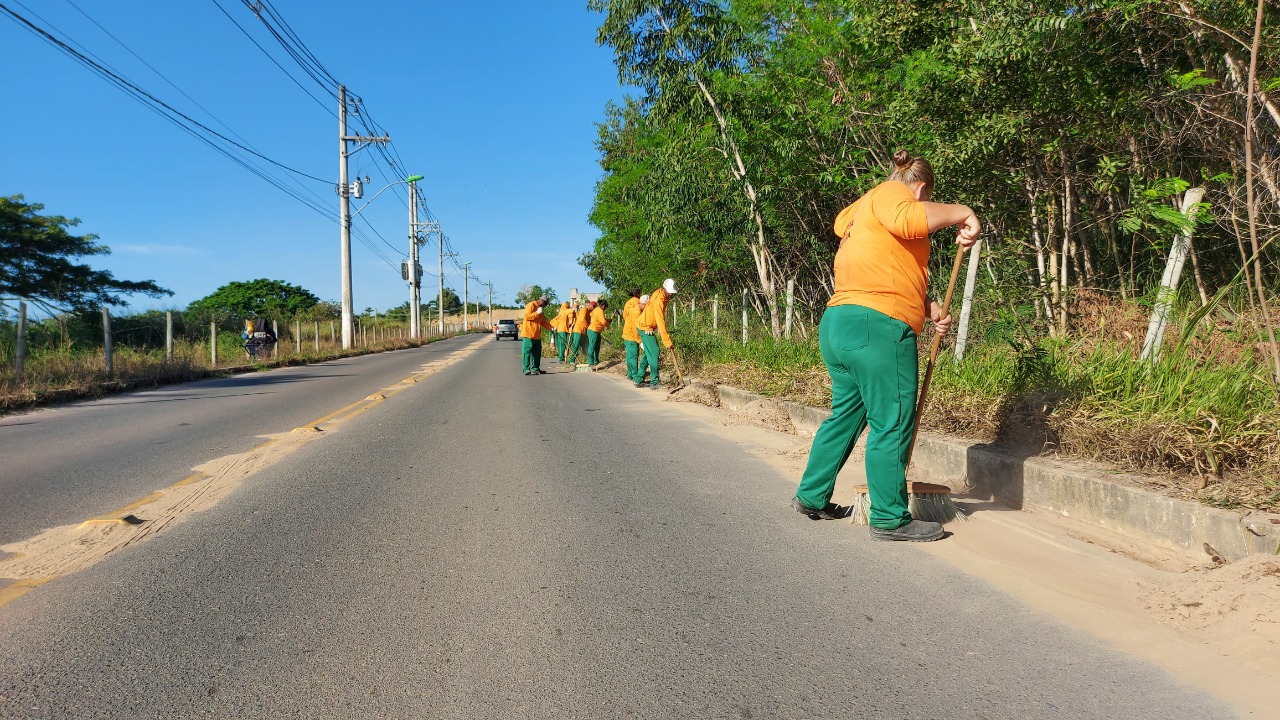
{"x": 486, "y": 545}
{"x": 66, "y": 464}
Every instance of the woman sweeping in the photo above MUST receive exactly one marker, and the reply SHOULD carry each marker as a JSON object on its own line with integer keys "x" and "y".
{"x": 868, "y": 342}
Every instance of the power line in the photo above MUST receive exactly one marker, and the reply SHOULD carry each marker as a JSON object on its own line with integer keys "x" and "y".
{"x": 328, "y": 108}
{"x": 161, "y": 75}
{"x": 138, "y": 93}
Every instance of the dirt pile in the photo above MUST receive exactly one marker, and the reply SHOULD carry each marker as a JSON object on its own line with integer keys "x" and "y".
{"x": 767, "y": 414}
{"x": 1242, "y": 598}
{"x": 700, "y": 394}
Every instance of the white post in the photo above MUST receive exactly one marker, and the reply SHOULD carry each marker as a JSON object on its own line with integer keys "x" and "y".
{"x": 791, "y": 293}
{"x": 21, "y": 355}
{"x": 715, "y": 312}
{"x": 415, "y": 278}
{"x": 317, "y": 322}
{"x": 213, "y": 343}
{"x": 344, "y": 218}
{"x": 297, "y": 335}
{"x": 1169, "y": 281}
{"x": 275, "y": 346}
{"x": 168, "y": 336}
{"x": 744, "y": 316}
{"x": 966, "y": 305}
{"x": 331, "y": 331}
{"x": 106, "y": 339}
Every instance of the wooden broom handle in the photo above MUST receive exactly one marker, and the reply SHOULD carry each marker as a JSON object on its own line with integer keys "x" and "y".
{"x": 933, "y": 354}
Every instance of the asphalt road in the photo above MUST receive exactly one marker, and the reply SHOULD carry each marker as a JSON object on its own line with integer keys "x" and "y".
{"x": 489, "y": 545}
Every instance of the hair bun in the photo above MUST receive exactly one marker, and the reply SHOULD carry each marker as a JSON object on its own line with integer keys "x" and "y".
{"x": 902, "y": 158}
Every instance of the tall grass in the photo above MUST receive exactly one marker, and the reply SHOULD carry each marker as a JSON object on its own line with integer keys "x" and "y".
{"x": 1208, "y": 426}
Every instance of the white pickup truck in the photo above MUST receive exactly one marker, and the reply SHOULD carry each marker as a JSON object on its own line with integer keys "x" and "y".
{"x": 506, "y": 328}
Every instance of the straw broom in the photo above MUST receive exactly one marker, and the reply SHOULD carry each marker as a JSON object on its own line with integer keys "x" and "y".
{"x": 925, "y": 501}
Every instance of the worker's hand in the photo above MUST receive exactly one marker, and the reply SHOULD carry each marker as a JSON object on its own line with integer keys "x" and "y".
{"x": 669, "y": 346}
{"x": 539, "y": 311}
{"x": 941, "y": 324}
{"x": 970, "y": 229}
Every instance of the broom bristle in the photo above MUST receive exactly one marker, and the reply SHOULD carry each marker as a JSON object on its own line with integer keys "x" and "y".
{"x": 861, "y": 509}
{"x": 931, "y": 507}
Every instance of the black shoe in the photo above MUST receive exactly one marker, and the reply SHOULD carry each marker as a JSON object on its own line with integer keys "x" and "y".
{"x": 831, "y": 512}
{"x": 539, "y": 371}
{"x": 914, "y": 531}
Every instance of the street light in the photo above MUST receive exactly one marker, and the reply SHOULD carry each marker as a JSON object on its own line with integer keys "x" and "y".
{"x": 348, "y": 324}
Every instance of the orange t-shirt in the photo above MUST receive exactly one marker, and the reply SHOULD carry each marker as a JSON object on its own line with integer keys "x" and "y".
{"x": 883, "y": 261}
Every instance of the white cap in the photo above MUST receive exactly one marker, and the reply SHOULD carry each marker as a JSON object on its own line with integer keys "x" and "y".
{"x": 669, "y": 285}
{"x": 644, "y": 299}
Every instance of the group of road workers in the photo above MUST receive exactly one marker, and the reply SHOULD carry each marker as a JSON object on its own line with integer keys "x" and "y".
{"x": 578, "y": 327}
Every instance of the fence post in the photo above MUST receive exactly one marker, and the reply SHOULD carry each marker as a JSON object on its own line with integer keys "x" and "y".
{"x": 791, "y": 294}
{"x": 692, "y": 308}
{"x": 317, "y": 322}
{"x": 168, "y": 336}
{"x": 275, "y": 346}
{"x": 331, "y": 332}
{"x": 297, "y": 335}
{"x": 744, "y": 316}
{"x": 106, "y": 341}
{"x": 21, "y": 358}
{"x": 213, "y": 342}
{"x": 715, "y": 312}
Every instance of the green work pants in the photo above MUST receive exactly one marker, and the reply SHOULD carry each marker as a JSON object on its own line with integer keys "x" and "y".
{"x": 633, "y": 357}
{"x": 650, "y": 359}
{"x": 873, "y": 364}
{"x": 577, "y": 341}
{"x": 593, "y": 347}
{"x": 562, "y": 344}
{"x": 531, "y": 355}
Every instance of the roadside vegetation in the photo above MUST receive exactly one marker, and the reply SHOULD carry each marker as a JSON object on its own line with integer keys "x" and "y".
{"x": 66, "y": 360}
{"x": 1081, "y": 135}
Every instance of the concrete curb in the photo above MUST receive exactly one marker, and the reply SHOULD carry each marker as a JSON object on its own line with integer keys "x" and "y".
{"x": 1072, "y": 490}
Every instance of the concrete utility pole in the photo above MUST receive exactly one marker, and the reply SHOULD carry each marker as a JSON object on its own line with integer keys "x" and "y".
{"x": 344, "y": 217}
{"x": 466, "y": 296}
{"x": 490, "y": 303}
{"x": 415, "y": 270}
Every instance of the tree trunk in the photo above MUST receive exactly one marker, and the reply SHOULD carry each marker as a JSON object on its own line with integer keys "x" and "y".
{"x": 759, "y": 248}
{"x": 1249, "y": 199}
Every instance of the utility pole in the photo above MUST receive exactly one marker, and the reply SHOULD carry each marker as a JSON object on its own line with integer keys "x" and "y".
{"x": 415, "y": 270}
{"x": 490, "y": 303}
{"x": 345, "y": 191}
{"x": 466, "y": 296}
{"x": 440, "y": 301}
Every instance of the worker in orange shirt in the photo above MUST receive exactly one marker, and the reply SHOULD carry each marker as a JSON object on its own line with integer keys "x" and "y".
{"x": 531, "y": 329}
{"x": 596, "y": 324}
{"x": 631, "y": 338}
{"x": 868, "y": 341}
{"x": 652, "y": 325}
{"x": 578, "y": 338}
{"x": 560, "y": 330}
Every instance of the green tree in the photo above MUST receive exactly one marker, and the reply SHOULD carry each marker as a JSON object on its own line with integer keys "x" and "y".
{"x": 452, "y": 302}
{"x": 257, "y": 298}
{"x": 529, "y": 293}
{"x": 36, "y": 262}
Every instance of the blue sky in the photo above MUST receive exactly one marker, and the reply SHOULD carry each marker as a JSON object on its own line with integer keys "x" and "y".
{"x": 494, "y": 103}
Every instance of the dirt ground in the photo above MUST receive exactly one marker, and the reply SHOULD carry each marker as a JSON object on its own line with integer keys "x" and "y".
{"x": 1216, "y": 627}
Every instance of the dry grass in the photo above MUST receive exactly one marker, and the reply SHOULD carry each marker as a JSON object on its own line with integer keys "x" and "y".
{"x": 53, "y": 377}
